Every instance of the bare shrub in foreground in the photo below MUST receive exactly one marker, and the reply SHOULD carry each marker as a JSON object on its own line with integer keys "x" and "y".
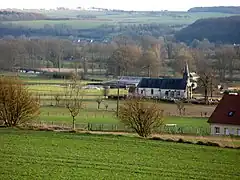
{"x": 141, "y": 116}
{"x": 17, "y": 104}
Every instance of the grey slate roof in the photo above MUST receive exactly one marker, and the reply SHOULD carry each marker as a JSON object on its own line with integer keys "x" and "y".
{"x": 172, "y": 83}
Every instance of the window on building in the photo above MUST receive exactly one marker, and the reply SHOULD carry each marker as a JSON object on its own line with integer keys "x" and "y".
{"x": 152, "y": 91}
{"x": 217, "y": 130}
{"x": 166, "y": 93}
{"x": 238, "y": 132}
{"x": 231, "y": 113}
{"x": 226, "y": 131}
{"x": 141, "y": 91}
{"x": 172, "y": 93}
{"x": 178, "y": 93}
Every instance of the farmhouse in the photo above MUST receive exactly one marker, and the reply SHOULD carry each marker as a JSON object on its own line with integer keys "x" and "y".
{"x": 225, "y": 120}
{"x": 179, "y": 88}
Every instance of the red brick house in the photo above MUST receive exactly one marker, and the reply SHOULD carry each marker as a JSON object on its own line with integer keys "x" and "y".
{"x": 225, "y": 120}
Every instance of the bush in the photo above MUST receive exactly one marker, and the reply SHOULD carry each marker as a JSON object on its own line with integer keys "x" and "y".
{"x": 212, "y": 144}
{"x": 17, "y": 105}
{"x": 181, "y": 140}
{"x": 58, "y": 75}
{"x": 141, "y": 116}
{"x": 200, "y": 143}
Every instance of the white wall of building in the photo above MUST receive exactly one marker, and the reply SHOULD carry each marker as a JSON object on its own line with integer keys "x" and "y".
{"x": 155, "y": 92}
{"x": 224, "y": 129}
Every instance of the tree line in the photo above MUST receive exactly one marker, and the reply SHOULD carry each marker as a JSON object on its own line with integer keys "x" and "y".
{"x": 20, "y": 16}
{"x": 100, "y": 33}
{"x": 219, "y": 9}
{"x": 145, "y": 56}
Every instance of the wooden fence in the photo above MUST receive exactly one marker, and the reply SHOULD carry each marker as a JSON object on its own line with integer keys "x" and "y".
{"x": 187, "y": 130}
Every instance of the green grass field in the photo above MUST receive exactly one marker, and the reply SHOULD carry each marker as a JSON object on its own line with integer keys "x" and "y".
{"x": 175, "y": 18}
{"x": 55, "y": 114}
{"x": 102, "y": 120}
{"x": 51, "y": 155}
{"x": 76, "y": 24}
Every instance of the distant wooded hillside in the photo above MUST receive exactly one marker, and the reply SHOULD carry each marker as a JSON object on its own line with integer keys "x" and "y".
{"x": 20, "y": 16}
{"x": 220, "y": 9}
{"x": 225, "y": 30}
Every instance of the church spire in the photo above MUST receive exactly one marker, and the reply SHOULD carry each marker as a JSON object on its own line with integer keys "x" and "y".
{"x": 186, "y": 73}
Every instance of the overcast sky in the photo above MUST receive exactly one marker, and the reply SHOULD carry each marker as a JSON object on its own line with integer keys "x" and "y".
{"x": 118, "y": 4}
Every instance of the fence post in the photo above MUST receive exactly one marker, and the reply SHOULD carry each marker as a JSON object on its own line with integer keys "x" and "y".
{"x": 88, "y": 126}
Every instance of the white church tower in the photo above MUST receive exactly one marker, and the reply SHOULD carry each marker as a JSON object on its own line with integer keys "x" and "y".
{"x": 186, "y": 77}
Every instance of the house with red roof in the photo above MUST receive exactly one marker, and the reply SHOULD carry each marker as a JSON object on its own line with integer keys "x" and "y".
{"x": 225, "y": 120}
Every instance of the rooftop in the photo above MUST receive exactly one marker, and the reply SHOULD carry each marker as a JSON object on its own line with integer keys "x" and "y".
{"x": 163, "y": 83}
{"x": 227, "y": 111}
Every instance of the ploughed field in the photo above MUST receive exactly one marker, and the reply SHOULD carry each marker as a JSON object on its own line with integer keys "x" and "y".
{"x": 54, "y": 155}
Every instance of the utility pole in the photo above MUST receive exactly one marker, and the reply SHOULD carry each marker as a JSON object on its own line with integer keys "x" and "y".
{"x": 211, "y": 86}
{"x": 149, "y": 73}
{"x": 118, "y": 92}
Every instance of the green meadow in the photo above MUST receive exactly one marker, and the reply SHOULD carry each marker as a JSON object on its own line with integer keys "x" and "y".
{"x": 52, "y": 155}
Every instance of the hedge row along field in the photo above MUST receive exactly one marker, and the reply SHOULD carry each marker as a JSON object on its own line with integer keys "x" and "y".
{"x": 52, "y": 155}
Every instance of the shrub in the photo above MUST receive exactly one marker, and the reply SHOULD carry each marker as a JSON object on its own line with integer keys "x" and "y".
{"x": 17, "y": 105}
{"x": 58, "y": 75}
{"x": 141, "y": 116}
{"x": 200, "y": 143}
{"x": 212, "y": 144}
{"x": 181, "y": 140}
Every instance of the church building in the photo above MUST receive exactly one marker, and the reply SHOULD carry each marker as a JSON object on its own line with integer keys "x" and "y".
{"x": 178, "y": 88}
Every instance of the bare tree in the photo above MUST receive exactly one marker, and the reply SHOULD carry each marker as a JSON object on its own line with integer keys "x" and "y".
{"x": 57, "y": 98}
{"x": 141, "y": 116}
{"x": 150, "y": 62}
{"x": 206, "y": 82}
{"x": 17, "y": 104}
{"x": 182, "y": 56}
{"x": 99, "y": 101}
{"x": 124, "y": 58}
{"x": 225, "y": 61}
{"x": 73, "y": 99}
{"x": 180, "y": 106}
{"x": 106, "y": 106}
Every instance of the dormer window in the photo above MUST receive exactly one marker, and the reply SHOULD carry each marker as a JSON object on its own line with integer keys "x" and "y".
{"x": 231, "y": 113}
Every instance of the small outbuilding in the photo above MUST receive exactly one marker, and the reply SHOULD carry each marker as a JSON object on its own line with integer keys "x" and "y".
{"x": 225, "y": 120}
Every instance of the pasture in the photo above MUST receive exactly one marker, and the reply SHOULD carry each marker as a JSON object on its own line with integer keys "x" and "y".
{"x": 194, "y": 120}
{"x": 52, "y": 155}
{"x": 103, "y": 18}
{"x": 92, "y": 115}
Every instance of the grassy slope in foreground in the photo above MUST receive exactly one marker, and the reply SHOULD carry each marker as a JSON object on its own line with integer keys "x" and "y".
{"x": 49, "y": 155}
